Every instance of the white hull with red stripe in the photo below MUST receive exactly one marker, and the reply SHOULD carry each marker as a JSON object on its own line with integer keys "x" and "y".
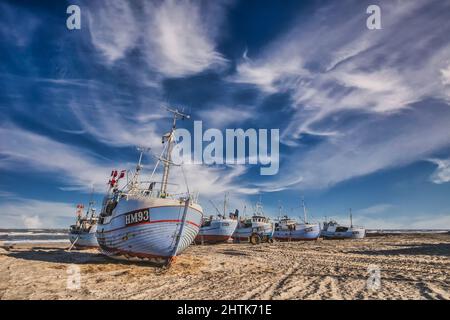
{"x": 218, "y": 230}
{"x": 143, "y": 228}
{"x": 84, "y": 239}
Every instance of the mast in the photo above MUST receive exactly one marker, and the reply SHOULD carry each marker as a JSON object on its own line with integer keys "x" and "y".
{"x": 258, "y": 207}
{"x": 351, "y": 218}
{"x": 167, "y": 156}
{"x": 279, "y": 210}
{"x": 134, "y": 184}
{"x": 91, "y": 203}
{"x": 304, "y": 210}
{"x": 225, "y": 205}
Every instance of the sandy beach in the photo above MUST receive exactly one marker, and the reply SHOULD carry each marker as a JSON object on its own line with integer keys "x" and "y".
{"x": 410, "y": 267}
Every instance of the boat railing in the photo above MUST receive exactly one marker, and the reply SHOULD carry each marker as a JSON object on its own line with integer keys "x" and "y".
{"x": 147, "y": 193}
{"x": 149, "y": 188}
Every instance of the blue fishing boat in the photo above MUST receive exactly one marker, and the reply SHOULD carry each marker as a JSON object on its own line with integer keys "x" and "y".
{"x": 219, "y": 228}
{"x": 216, "y": 229}
{"x": 257, "y": 228}
{"x": 288, "y": 229}
{"x": 143, "y": 222}
{"x": 333, "y": 230}
{"x": 82, "y": 233}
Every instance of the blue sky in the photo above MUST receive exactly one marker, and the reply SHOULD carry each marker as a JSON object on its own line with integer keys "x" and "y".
{"x": 363, "y": 114}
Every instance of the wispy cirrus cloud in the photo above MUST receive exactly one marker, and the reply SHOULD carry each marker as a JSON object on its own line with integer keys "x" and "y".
{"x": 368, "y": 145}
{"x": 266, "y": 72}
{"x": 112, "y": 123}
{"x": 445, "y": 75}
{"x": 365, "y": 93}
{"x": 176, "y": 38}
{"x": 352, "y": 67}
{"x": 24, "y": 150}
{"x": 442, "y": 172}
{"x": 224, "y": 116}
{"x": 187, "y": 46}
{"x": 112, "y": 28}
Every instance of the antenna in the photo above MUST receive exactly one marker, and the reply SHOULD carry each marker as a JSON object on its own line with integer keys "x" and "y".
{"x": 178, "y": 114}
{"x": 142, "y": 149}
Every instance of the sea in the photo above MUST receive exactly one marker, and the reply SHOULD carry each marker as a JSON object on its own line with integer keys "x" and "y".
{"x": 12, "y": 236}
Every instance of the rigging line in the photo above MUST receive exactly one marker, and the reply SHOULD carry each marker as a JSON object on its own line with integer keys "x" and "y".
{"x": 182, "y": 171}
{"x": 214, "y": 206}
{"x": 185, "y": 181}
{"x": 157, "y": 163}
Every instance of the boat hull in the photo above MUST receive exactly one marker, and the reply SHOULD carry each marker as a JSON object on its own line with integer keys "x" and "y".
{"x": 303, "y": 233}
{"x": 356, "y": 233}
{"x": 84, "y": 240}
{"x": 164, "y": 231}
{"x": 243, "y": 234}
{"x": 219, "y": 231}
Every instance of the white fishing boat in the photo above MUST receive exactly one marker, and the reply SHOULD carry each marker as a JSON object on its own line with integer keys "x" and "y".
{"x": 258, "y": 228}
{"x": 333, "y": 230}
{"x": 288, "y": 229}
{"x": 143, "y": 222}
{"x": 219, "y": 228}
{"x": 82, "y": 233}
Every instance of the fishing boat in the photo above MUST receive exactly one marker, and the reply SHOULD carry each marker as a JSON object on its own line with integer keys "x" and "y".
{"x": 258, "y": 228}
{"x": 287, "y": 229}
{"x": 219, "y": 228}
{"x": 144, "y": 220}
{"x": 333, "y": 230}
{"x": 82, "y": 233}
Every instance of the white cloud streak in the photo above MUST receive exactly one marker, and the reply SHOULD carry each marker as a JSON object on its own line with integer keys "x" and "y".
{"x": 442, "y": 172}
{"x": 30, "y": 213}
{"x": 112, "y": 29}
{"x": 224, "y": 116}
{"x": 333, "y": 67}
{"x": 23, "y": 150}
{"x": 176, "y": 38}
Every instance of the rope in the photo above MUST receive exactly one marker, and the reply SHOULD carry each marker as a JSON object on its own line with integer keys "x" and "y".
{"x": 71, "y": 246}
{"x": 184, "y": 174}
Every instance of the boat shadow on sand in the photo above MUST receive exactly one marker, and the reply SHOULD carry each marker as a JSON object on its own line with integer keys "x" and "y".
{"x": 66, "y": 257}
{"x": 57, "y": 255}
{"x": 437, "y": 249}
